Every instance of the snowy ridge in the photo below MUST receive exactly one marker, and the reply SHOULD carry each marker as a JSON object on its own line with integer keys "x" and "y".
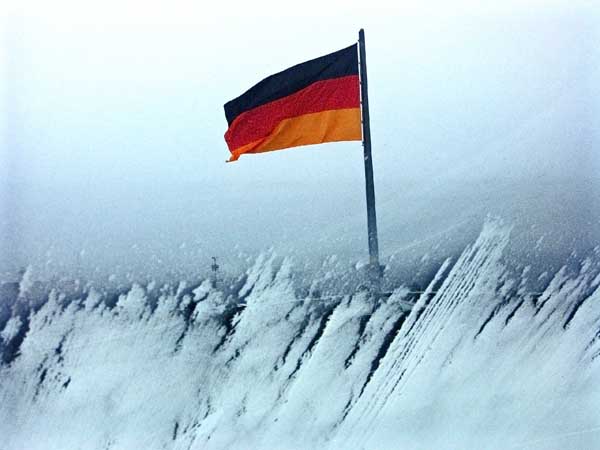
{"x": 523, "y": 350}
{"x": 480, "y": 362}
{"x": 466, "y": 279}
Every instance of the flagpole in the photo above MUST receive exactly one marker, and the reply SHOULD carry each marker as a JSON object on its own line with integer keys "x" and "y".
{"x": 374, "y": 267}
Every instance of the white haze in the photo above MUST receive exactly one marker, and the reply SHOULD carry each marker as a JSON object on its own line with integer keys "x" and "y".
{"x": 113, "y": 153}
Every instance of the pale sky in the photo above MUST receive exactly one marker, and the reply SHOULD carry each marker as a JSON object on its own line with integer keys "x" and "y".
{"x": 114, "y": 123}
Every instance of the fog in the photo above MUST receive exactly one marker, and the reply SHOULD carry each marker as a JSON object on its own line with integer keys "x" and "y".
{"x": 113, "y": 157}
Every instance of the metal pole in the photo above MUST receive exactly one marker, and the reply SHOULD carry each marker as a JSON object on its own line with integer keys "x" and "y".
{"x": 375, "y": 269}
{"x": 215, "y": 272}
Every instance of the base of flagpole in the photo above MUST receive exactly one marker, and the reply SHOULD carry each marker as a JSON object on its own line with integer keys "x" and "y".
{"x": 375, "y": 275}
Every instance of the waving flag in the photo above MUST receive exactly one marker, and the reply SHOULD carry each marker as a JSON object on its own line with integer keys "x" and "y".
{"x": 313, "y": 102}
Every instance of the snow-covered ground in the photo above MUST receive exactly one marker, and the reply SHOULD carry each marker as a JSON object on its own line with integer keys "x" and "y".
{"x": 481, "y": 362}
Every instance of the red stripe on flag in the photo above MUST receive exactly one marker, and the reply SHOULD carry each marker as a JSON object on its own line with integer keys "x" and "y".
{"x": 258, "y": 123}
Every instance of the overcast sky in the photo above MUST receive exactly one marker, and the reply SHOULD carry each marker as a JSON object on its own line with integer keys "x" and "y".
{"x": 113, "y": 121}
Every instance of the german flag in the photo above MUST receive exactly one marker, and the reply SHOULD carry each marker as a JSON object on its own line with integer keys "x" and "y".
{"x": 310, "y": 103}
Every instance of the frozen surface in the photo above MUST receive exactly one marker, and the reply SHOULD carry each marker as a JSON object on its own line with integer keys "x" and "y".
{"x": 481, "y": 362}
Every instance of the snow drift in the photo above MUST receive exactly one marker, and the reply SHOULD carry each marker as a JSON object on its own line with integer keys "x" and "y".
{"x": 481, "y": 362}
